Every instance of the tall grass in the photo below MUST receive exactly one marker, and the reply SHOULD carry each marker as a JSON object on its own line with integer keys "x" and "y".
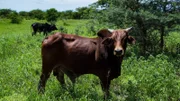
{"x": 152, "y": 79}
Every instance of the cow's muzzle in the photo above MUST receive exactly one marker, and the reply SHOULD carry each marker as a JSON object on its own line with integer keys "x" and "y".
{"x": 118, "y": 52}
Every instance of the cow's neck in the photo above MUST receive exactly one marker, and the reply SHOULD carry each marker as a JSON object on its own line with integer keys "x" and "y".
{"x": 115, "y": 66}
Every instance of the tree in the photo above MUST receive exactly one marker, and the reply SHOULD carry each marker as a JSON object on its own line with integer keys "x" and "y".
{"x": 166, "y": 16}
{"x": 84, "y": 12}
{"x": 151, "y": 19}
{"x": 15, "y": 18}
{"x": 51, "y": 15}
{"x": 69, "y": 14}
{"x": 37, "y": 14}
{"x": 102, "y": 4}
{"x": 24, "y": 14}
{"x": 76, "y": 15}
{"x": 5, "y": 13}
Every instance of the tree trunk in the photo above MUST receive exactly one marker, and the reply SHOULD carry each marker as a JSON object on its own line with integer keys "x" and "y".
{"x": 143, "y": 33}
{"x": 162, "y": 38}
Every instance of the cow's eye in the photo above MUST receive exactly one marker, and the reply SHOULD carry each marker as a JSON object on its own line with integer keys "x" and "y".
{"x": 124, "y": 40}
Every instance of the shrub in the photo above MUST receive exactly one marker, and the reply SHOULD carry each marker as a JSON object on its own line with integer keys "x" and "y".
{"x": 151, "y": 79}
{"x": 172, "y": 42}
{"x": 16, "y": 19}
{"x": 63, "y": 29}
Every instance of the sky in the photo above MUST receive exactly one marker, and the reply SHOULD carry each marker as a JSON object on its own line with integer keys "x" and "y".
{"x": 28, "y": 5}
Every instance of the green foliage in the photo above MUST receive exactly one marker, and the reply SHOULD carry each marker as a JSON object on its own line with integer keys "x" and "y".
{"x": 37, "y": 14}
{"x": 63, "y": 29}
{"x": 24, "y": 14}
{"x": 151, "y": 20}
{"x": 173, "y": 43}
{"x": 93, "y": 26}
{"x": 14, "y": 97}
{"x": 85, "y": 12}
{"x": 52, "y": 15}
{"x": 66, "y": 14}
{"x": 16, "y": 19}
{"x": 153, "y": 79}
{"x": 4, "y": 13}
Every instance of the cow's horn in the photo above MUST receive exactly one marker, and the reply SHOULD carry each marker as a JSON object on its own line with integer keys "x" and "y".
{"x": 111, "y": 30}
{"x": 128, "y": 29}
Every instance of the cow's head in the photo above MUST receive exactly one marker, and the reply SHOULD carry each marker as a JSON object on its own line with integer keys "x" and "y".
{"x": 53, "y": 27}
{"x": 117, "y": 40}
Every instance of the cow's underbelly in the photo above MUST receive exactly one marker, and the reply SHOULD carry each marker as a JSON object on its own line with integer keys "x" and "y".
{"x": 79, "y": 65}
{"x": 77, "y": 70}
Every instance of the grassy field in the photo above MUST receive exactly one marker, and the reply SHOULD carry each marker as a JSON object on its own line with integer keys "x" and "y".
{"x": 156, "y": 78}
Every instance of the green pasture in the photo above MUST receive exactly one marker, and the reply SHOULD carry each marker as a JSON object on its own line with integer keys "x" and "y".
{"x": 24, "y": 27}
{"x": 156, "y": 78}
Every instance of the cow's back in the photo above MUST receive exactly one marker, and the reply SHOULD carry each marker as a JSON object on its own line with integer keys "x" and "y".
{"x": 75, "y": 53}
{"x": 37, "y": 26}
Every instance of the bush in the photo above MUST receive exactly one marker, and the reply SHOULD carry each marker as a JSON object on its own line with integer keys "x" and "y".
{"x": 16, "y": 19}
{"x": 63, "y": 29}
{"x": 172, "y": 42}
{"x": 151, "y": 79}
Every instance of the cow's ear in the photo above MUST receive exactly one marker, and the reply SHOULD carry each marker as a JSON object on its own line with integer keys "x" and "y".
{"x": 104, "y": 33}
{"x": 107, "y": 41}
{"x": 131, "y": 40}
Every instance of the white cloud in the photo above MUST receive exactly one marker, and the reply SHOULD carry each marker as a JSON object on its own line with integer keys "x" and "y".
{"x": 53, "y": 1}
{"x": 70, "y": 2}
{"x": 60, "y": 5}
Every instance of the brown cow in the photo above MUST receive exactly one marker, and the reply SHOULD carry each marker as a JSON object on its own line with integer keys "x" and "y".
{"x": 74, "y": 56}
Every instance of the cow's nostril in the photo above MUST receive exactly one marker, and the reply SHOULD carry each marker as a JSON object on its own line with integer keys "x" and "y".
{"x": 118, "y": 51}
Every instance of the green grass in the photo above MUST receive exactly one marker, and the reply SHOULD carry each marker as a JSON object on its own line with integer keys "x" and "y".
{"x": 24, "y": 27}
{"x": 152, "y": 79}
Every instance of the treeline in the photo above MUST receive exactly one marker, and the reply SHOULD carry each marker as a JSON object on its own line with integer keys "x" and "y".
{"x": 50, "y": 14}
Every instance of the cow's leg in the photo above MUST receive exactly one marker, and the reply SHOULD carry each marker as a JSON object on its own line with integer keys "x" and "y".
{"x": 44, "y": 32}
{"x": 72, "y": 76}
{"x": 105, "y": 84}
{"x": 59, "y": 75}
{"x": 46, "y": 71}
{"x": 34, "y": 33}
{"x": 73, "y": 79}
{"x": 39, "y": 32}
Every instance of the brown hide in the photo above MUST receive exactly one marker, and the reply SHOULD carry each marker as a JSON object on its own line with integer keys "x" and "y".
{"x": 74, "y": 56}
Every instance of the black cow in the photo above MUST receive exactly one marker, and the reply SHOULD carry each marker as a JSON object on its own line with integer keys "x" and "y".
{"x": 42, "y": 27}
